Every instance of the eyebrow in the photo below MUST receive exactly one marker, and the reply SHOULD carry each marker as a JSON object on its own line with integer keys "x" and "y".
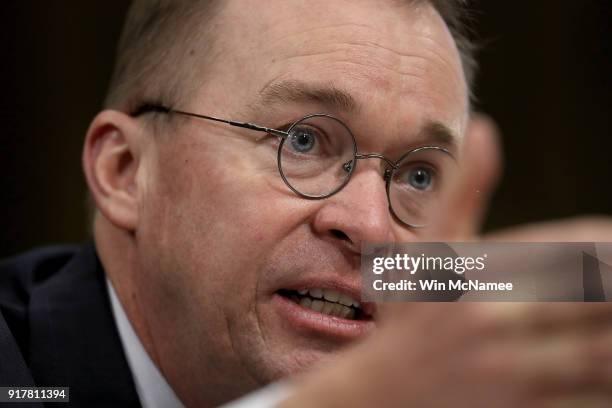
{"x": 303, "y": 92}
{"x": 433, "y": 133}
{"x": 438, "y": 134}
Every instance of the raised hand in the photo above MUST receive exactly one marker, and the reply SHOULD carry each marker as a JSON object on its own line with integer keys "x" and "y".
{"x": 473, "y": 354}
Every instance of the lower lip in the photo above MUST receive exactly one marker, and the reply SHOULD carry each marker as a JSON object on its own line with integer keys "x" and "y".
{"x": 308, "y": 321}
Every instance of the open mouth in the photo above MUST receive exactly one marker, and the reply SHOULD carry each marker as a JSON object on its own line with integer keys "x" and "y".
{"x": 328, "y": 302}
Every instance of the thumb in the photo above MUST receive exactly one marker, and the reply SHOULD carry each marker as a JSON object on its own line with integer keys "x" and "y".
{"x": 462, "y": 208}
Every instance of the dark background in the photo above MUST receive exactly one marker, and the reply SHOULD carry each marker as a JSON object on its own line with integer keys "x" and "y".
{"x": 545, "y": 77}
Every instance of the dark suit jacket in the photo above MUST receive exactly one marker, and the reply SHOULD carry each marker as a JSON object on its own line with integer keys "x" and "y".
{"x": 57, "y": 328}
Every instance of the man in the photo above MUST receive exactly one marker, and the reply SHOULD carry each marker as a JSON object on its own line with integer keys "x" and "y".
{"x": 221, "y": 248}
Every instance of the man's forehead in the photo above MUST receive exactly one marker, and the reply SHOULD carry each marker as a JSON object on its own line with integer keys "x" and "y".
{"x": 349, "y": 53}
{"x": 295, "y": 28}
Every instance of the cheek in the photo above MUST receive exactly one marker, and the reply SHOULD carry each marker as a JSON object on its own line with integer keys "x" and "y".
{"x": 211, "y": 221}
{"x": 206, "y": 233}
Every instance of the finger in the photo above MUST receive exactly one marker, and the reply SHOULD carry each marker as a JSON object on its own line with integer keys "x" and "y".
{"x": 571, "y": 363}
{"x": 585, "y": 400}
{"x": 461, "y": 210}
{"x": 549, "y": 317}
{"x": 576, "y": 229}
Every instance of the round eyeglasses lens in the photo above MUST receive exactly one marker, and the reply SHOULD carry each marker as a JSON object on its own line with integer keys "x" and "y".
{"x": 316, "y": 158}
{"x": 417, "y": 184}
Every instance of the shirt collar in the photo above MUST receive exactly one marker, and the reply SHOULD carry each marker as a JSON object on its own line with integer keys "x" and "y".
{"x": 151, "y": 386}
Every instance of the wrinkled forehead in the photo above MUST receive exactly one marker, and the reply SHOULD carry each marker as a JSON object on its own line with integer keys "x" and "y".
{"x": 391, "y": 58}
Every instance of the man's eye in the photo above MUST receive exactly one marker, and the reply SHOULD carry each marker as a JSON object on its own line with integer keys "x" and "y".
{"x": 420, "y": 178}
{"x": 302, "y": 140}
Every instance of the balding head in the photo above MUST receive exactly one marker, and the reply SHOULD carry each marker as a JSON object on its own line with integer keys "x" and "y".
{"x": 165, "y": 45}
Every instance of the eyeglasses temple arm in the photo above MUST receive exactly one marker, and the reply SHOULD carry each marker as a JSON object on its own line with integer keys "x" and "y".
{"x": 252, "y": 126}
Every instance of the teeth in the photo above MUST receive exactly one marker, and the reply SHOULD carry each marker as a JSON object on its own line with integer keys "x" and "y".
{"x": 332, "y": 302}
{"x": 328, "y": 308}
{"x": 345, "y": 300}
{"x": 331, "y": 295}
{"x": 317, "y": 305}
{"x": 316, "y": 293}
{"x": 306, "y": 302}
{"x": 338, "y": 309}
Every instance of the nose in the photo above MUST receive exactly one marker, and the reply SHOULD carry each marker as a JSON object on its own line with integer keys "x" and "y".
{"x": 357, "y": 214}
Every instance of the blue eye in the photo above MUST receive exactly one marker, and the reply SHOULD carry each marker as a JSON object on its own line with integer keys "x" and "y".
{"x": 420, "y": 178}
{"x": 302, "y": 140}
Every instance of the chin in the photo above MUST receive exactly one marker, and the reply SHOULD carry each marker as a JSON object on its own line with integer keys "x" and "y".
{"x": 291, "y": 364}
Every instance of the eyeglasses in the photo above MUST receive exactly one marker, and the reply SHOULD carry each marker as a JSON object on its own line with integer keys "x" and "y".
{"x": 317, "y": 155}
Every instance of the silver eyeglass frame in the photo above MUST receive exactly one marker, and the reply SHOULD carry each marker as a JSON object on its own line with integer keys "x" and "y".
{"x": 349, "y": 166}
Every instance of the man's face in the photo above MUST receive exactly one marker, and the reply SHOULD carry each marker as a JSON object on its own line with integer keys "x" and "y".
{"x": 223, "y": 240}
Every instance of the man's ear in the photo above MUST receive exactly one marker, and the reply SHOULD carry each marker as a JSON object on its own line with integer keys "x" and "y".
{"x": 111, "y": 158}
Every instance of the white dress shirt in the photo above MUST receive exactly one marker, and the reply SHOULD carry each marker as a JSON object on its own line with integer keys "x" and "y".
{"x": 153, "y": 389}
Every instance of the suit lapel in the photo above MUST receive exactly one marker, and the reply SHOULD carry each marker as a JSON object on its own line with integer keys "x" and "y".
{"x": 73, "y": 337}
